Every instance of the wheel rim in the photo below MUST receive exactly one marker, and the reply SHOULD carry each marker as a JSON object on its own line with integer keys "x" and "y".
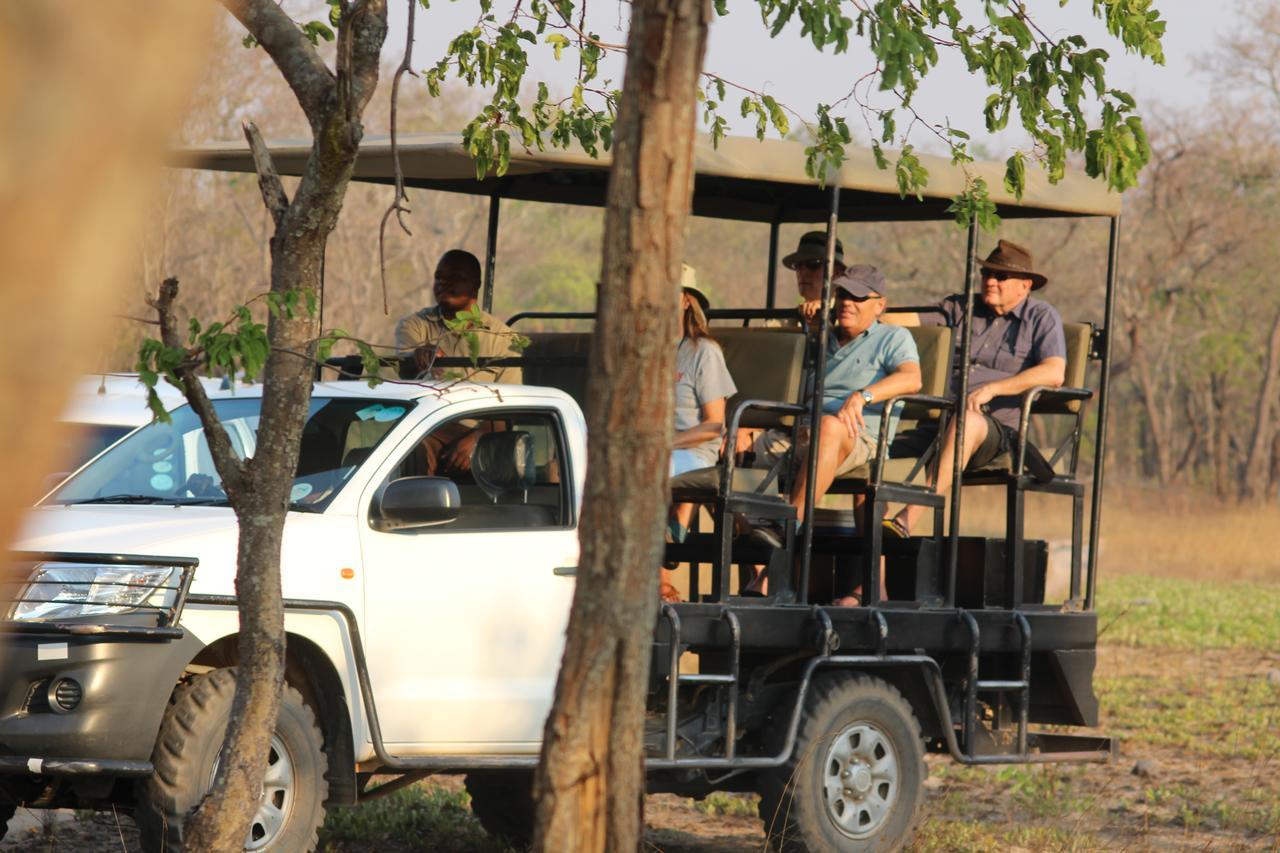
{"x": 277, "y": 796}
{"x": 860, "y": 780}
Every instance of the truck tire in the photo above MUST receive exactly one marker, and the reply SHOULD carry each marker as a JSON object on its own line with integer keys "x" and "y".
{"x": 8, "y": 808}
{"x": 502, "y": 800}
{"x": 186, "y": 756}
{"x": 855, "y": 779}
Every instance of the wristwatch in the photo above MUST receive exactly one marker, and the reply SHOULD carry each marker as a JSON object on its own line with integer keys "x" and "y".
{"x": 866, "y": 397}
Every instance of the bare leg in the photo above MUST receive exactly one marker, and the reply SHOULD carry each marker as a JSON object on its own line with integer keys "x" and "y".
{"x": 834, "y": 447}
{"x": 974, "y": 434}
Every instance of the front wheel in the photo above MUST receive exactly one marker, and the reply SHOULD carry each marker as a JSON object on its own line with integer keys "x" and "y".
{"x": 855, "y": 779}
{"x": 186, "y": 759}
{"x": 502, "y": 800}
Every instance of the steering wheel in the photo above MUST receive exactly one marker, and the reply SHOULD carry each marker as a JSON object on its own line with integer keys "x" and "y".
{"x": 202, "y": 486}
{"x": 158, "y": 449}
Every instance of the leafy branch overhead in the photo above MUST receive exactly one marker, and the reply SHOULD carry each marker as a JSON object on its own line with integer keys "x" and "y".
{"x": 1056, "y": 85}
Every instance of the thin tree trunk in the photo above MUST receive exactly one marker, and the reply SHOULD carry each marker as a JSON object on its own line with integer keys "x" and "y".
{"x": 1157, "y": 434}
{"x": 259, "y": 488}
{"x": 1256, "y": 466}
{"x": 590, "y": 783}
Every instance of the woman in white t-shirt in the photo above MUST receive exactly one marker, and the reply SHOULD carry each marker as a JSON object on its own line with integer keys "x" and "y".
{"x": 703, "y": 384}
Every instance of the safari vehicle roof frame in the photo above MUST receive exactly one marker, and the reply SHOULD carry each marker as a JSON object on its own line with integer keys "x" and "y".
{"x": 745, "y": 179}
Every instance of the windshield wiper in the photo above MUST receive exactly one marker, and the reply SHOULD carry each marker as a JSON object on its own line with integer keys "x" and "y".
{"x": 301, "y": 507}
{"x": 201, "y": 501}
{"x": 120, "y": 499}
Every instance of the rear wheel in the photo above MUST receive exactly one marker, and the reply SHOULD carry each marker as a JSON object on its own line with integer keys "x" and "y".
{"x": 502, "y": 800}
{"x": 186, "y": 759}
{"x": 855, "y": 779}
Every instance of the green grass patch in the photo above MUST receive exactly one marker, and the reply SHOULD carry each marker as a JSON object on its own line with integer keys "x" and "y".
{"x": 976, "y": 837}
{"x": 1236, "y": 718}
{"x": 729, "y": 805}
{"x": 419, "y": 817}
{"x": 1170, "y": 613}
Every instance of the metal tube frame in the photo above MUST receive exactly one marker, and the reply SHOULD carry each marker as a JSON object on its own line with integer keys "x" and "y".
{"x": 815, "y": 404}
{"x": 1104, "y": 397}
{"x": 771, "y": 283}
{"x": 491, "y": 251}
{"x": 962, "y": 395}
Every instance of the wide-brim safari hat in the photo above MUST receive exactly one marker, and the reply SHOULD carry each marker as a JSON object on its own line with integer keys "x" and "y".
{"x": 689, "y": 284}
{"x": 1012, "y": 258}
{"x": 813, "y": 247}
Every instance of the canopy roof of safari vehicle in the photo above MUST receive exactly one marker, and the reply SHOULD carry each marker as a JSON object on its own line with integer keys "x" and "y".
{"x": 742, "y": 178}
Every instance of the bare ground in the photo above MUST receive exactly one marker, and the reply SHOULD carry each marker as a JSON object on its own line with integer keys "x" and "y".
{"x": 1211, "y": 782}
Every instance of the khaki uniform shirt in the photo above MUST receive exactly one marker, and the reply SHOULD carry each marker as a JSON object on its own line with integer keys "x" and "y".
{"x": 427, "y": 327}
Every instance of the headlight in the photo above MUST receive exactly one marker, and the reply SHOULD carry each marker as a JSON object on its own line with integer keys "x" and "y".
{"x": 70, "y": 590}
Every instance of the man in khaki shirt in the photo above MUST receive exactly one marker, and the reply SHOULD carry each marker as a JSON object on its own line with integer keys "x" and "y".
{"x": 424, "y": 334}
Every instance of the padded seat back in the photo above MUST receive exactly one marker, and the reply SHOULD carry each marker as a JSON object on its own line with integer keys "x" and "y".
{"x": 502, "y": 462}
{"x": 766, "y": 364}
{"x": 1079, "y": 344}
{"x": 571, "y": 379}
{"x": 934, "y": 345}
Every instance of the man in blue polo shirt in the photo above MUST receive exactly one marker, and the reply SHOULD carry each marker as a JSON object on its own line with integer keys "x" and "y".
{"x": 867, "y": 362}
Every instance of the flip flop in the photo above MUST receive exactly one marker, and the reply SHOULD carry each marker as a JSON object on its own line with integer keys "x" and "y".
{"x": 850, "y": 600}
{"x": 668, "y": 593}
{"x": 896, "y": 529}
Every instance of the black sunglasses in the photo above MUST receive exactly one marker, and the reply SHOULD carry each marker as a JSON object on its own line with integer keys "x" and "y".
{"x": 814, "y": 264}
{"x": 849, "y": 297}
{"x": 999, "y": 275}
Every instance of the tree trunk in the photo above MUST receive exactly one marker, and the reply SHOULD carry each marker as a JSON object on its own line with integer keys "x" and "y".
{"x": 590, "y": 783}
{"x": 259, "y": 488}
{"x": 1158, "y": 438}
{"x": 1257, "y": 465}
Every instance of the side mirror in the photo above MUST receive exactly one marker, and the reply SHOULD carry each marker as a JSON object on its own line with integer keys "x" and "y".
{"x": 415, "y": 502}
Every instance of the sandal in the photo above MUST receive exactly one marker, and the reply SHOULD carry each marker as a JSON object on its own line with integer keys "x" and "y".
{"x": 850, "y": 600}
{"x": 668, "y": 593}
{"x": 896, "y": 528}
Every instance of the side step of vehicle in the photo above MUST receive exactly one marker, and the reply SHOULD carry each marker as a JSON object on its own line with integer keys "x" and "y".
{"x": 724, "y": 679}
{"x": 975, "y": 685}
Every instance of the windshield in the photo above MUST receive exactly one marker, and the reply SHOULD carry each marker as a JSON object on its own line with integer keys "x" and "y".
{"x": 88, "y": 440}
{"x": 171, "y": 464}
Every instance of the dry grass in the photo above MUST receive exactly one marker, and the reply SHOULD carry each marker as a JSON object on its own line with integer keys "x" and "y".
{"x": 1149, "y": 531}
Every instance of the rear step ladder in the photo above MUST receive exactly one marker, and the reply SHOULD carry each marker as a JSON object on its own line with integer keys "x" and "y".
{"x": 974, "y": 685}
{"x": 675, "y": 678}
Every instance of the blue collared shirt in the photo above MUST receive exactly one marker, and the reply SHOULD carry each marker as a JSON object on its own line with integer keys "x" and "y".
{"x": 866, "y": 359}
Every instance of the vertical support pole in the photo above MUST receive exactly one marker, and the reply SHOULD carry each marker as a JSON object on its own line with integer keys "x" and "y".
{"x": 1015, "y": 510}
{"x": 1104, "y": 387}
{"x": 815, "y": 404}
{"x": 491, "y": 253}
{"x": 771, "y": 284}
{"x": 962, "y": 394}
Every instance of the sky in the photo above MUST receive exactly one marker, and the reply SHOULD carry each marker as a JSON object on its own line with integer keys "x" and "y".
{"x": 791, "y": 70}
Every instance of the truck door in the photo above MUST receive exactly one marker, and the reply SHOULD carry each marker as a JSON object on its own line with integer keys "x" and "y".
{"x": 465, "y": 621}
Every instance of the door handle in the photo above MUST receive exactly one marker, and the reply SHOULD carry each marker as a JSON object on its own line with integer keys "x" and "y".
{"x": 565, "y": 571}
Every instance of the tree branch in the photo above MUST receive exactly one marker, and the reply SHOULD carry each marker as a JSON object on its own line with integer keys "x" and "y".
{"x": 273, "y": 194}
{"x": 398, "y": 206}
{"x": 299, "y": 64}
{"x": 359, "y": 51}
{"x": 230, "y": 467}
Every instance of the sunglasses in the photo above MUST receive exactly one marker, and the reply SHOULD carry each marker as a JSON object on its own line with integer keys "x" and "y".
{"x": 815, "y": 264}
{"x": 999, "y": 275}
{"x": 846, "y": 296}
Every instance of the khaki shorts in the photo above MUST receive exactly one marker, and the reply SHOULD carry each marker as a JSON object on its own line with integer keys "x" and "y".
{"x": 772, "y": 444}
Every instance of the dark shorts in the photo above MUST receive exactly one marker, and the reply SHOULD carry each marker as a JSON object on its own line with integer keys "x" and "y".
{"x": 1000, "y": 439}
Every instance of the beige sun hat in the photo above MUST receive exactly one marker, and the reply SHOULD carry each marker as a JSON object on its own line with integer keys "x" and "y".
{"x": 689, "y": 284}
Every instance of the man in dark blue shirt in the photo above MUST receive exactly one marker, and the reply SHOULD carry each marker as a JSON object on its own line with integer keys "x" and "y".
{"x": 1017, "y": 343}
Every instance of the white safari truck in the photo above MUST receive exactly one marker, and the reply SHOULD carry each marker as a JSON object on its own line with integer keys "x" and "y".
{"x": 427, "y": 590}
